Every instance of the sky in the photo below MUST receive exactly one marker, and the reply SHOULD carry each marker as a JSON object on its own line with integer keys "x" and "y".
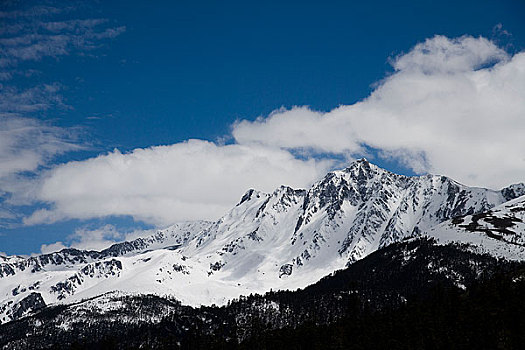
{"x": 118, "y": 117}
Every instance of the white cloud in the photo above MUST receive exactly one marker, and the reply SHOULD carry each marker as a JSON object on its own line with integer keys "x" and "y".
{"x": 299, "y": 128}
{"x": 98, "y": 238}
{"x": 95, "y": 239}
{"x": 26, "y": 145}
{"x": 452, "y": 106}
{"x": 51, "y": 248}
{"x": 190, "y": 180}
{"x": 443, "y": 55}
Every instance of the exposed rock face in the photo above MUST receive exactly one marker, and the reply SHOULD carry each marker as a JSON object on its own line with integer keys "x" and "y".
{"x": 29, "y": 304}
{"x": 513, "y": 191}
{"x": 285, "y": 270}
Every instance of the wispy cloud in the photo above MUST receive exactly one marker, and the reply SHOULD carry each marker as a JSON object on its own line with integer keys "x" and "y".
{"x": 33, "y": 12}
{"x": 87, "y": 238}
{"x": 28, "y": 36}
{"x": 28, "y": 143}
{"x": 17, "y": 102}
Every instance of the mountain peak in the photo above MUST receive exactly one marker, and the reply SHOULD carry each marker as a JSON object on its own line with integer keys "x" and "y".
{"x": 247, "y": 196}
{"x": 362, "y": 169}
{"x": 363, "y": 164}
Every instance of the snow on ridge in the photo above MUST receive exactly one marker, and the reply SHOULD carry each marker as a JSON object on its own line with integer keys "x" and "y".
{"x": 499, "y": 231}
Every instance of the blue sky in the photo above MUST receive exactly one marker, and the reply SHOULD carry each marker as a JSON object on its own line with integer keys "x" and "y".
{"x": 91, "y": 77}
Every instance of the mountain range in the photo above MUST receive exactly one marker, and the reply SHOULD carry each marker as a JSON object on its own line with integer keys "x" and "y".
{"x": 284, "y": 240}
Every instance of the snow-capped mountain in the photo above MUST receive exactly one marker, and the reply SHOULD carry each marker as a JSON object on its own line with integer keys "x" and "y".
{"x": 287, "y": 239}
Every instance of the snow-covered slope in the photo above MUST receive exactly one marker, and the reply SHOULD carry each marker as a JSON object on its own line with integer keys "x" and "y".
{"x": 499, "y": 231}
{"x": 282, "y": 240}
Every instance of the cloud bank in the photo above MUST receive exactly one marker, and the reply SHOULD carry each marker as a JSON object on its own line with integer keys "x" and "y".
{"x": 185, "y": 181}
{"x": 451, "y": 106}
